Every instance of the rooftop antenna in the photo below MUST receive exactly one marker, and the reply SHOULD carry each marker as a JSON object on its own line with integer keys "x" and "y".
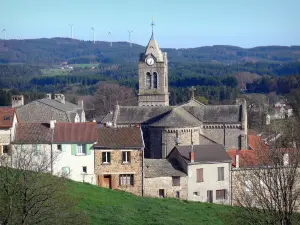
{"x": 4, "y": 31}
{"x": 93, "y": 29}
{"x": 109, "y": 33}
{"x": 129, "y": 34}
{"x": 71, "y": 26}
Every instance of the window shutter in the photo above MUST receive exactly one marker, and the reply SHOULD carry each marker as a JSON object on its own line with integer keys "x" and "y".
{"x": 89, "y": 149}
{"x": 199, "y": 175}
{"x": 63, "y": 148}
{"x": 38, "y": 148}
{"x": 74, "y": 149}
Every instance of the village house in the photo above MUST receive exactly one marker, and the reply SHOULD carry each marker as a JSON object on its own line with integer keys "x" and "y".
{"x": 65, "y": 148}
{"x": 164, "y": 179}
{"x": 43, "y": 110}
{"x": 208, "y": 169}
{"x": 8, "y": 121}
{"x": 119, "y": 155}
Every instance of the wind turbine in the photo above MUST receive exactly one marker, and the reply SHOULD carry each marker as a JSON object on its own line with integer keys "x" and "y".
{"x": 71, "y": 26}
{"x": 4, "y": 31}
{"x": 129, "y": 34}
{"x": 93, "y": 29}
{"x": 109, "y": 33}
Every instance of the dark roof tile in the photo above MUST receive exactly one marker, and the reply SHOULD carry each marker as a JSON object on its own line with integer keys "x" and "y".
{"x": 162, "y": 168}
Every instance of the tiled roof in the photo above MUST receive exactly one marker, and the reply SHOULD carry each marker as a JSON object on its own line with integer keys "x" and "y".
{"x": 161, "y": 168}
{"x": 121, "y": 137}
{"x": 6, "y": 117}
{"x": 256, "y": 142}
{"x": 75, "y": 133}
{"x": 33, "y": 133}
{"x": 204, "y": 153}
{"x": 246, "y": 157}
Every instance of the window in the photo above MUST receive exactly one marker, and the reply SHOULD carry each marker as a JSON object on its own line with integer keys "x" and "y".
{"x": 36, "y": 149}
{"x": 126, "y": 157}
{"x": 196, "y": 193}
{"x": 176, "y": 181}
{"x": 220, "y": 173}
{"x": 6, "y": 117}
{"x": 126, "y": 179}
{"x": 221, "y": 194}
{"x": 148, "y": 80}
{"x": 5, "y": 149}
{"x": 59, "y": 147}
{"x": 81, "y": 149}
{"x": 155, "y": 81}
{"x": 177, "y": 194}
{"x": 199, "y": 175}
{"x": 161, "y": 193}
{"x": 105, "y": 157}
{"x": 65, "y": 171}
{"x": 84, "y": 169}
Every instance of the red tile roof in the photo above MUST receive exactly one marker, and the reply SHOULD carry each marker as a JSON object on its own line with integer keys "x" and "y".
{"x": 122, "y": 137}
{"x": 246, "y": 157}
{"x": 75, "y": 133}
{"x": 6, "y": 117}
{"x": 256, "y": 142}
{"x": 33, "y": 133}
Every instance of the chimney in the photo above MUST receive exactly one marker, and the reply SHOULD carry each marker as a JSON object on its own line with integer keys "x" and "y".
{"x": 52, "y": 124}
{"x": 286, "y": 159}
{"x": 49, "y": 96}
{"x": 17, "y": 101}
{"x": 115, "y": 114}
{"x": 60, "y": 98}
{"x": 237, "y": 160}
{"x": 80, "y": 103}
{"x": 192, "y": 155}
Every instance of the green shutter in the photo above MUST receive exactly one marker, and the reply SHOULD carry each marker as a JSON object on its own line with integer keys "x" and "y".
{"x": 88, "y": 149}
{"x": 63, "y": 148}
{"x": 74, "y": 149}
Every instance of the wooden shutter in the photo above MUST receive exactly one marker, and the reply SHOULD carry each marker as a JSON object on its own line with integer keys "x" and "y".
{"x": 89, "y": 149}
{"x": 74, "y": 149}
{"x": 200, "y": 175}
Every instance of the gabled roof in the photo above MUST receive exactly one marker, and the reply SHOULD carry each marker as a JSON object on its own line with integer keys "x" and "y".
{"x": 6, "y": 117}
{"x": 204, "y": 153}
{"x": 75, "y": 133}
{"x": 247, "y": 158}
{"x": 119, "y": 138}
{"x": 33, "y": 133}
{"x": 161, "y": 168}
{"x": 256, "y": 142}
{"x": 66, "y": 107}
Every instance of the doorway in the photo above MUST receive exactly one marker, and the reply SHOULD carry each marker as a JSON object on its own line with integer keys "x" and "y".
{"x": 107, "y": 181}
{"x": 210, "y": 196}
{"x": 161, "y": 193}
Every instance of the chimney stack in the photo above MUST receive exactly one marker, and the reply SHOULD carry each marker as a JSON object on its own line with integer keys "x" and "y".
{"x": 192, "y": 156}
{"x": 80, "y": 103}
{"x": 237, "y": 160}
{"x": 286, "y": 159}
{"x": 17, "y": 101}
{"x": 49, "y": 96}
{"x": 52, "y": 124}
{"x": 60, "y": 98}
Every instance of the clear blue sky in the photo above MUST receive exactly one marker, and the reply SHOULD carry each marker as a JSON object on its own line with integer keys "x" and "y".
{"x": 179, "y": 23}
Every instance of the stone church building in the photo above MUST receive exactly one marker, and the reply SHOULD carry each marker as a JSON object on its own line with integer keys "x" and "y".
{"x": 165, "y": 126}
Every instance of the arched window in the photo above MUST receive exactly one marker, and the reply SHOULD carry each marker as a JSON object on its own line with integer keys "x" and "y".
{"x": 148, "y": 80}
{"x": 155, "y": 81}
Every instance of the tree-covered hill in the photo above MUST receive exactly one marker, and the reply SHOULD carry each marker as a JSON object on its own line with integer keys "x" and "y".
{"x": 56, "y": 50}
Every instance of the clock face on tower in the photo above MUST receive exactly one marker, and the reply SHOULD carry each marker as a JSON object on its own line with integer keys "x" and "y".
{"x": 150, "y": 61}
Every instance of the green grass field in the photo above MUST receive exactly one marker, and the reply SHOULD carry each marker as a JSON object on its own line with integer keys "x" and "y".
{"x": 85, "y": 65}
{"x": 55, "y": 72}
{"x": 105, "y": 206}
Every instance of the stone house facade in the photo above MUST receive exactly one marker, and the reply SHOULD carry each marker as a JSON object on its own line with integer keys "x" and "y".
{"x": 164, "y": 179}
{"x": 208, "y": 169}
{"x": 119, "y": 155}
{"x": 8, "y": 122}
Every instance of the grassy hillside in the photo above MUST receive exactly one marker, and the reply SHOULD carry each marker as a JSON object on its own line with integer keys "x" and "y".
{"x": 105, "y": 206}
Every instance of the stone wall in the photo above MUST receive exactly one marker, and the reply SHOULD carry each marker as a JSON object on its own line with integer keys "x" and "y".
{"x": 152, "y": 186}
{"x": 116, "y": 167}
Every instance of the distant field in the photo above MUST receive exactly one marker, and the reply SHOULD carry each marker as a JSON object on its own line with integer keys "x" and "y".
{"x": 85, "y": 65}
{"x": 110, "y": 207}
{"x": 55, "y": 72}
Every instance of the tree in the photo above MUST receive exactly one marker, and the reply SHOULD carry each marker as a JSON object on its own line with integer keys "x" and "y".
{"x": 266, "y": 184}
{"x": 29, "y": 194}
{"x": 108, "y": 94}
{"x": 202, "y": 99}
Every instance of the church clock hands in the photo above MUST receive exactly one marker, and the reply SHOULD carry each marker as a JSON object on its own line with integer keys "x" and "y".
{"x": 150, "y": 61}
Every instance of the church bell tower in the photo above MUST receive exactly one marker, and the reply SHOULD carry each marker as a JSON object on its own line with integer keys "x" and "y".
{"x": 153, "y": 75}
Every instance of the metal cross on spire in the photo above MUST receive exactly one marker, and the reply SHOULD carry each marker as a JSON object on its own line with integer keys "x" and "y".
{"x": 192, "y": 90}
{"x": 152, "y": 25}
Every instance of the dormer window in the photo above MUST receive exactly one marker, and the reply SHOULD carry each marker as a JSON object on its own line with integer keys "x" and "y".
{"x": 6, "y": 117}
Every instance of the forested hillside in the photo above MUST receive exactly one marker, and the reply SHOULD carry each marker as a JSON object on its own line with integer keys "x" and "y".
{"x": 56, "y": 50}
